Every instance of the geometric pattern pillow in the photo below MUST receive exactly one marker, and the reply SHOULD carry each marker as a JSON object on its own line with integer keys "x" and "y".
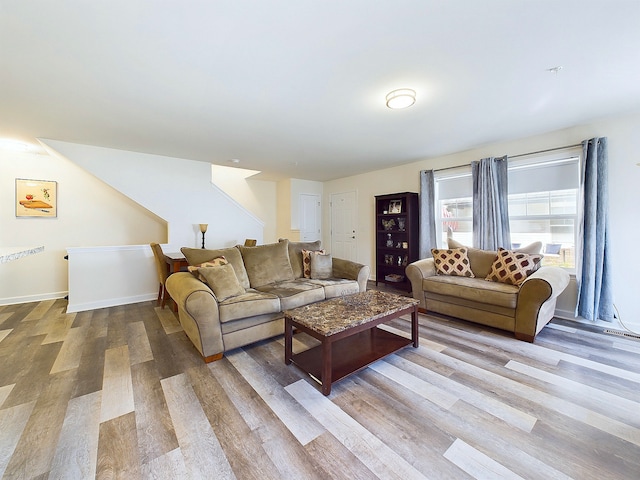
{"x": 216, "y": 262}
{"x": 453, "y": 261}
{"x": 513, "y": 267}
{"x": 306, "y": 261}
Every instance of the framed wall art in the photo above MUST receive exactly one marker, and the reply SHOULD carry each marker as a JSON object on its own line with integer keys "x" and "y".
{"x": 395, "y": 206}
{"x": 36, "y": 198}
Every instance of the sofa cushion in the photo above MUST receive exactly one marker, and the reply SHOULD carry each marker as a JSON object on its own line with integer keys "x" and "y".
{"x": 321, "y": 265}
{"x": 472, "y": 289}
{"x": 222, "y": 280}
{"x": 513, "y": 267}
{"x": 306, "y": 261}
{"x": 197, "y": 256}
{"x": 295, "y": 254}
{"x": 267, "y": 263}
{"x": 250, "y": 303}
{"x": 482, "y": 260}
{"x": 337, "y": 287}
{"x": 294, "y": 293}
{"x": 453, "y": 261}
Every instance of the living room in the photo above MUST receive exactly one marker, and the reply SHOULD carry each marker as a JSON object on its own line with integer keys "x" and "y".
{"x": 116, "y": 197}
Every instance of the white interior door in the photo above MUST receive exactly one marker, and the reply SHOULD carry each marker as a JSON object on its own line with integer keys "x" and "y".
{"x": 310, "y": 217}
{"x": 344, "y": 215}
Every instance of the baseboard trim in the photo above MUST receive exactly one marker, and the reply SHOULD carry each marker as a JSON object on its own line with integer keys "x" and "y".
{"x": 32, "y": 298}
{"x": 110, "y": 302}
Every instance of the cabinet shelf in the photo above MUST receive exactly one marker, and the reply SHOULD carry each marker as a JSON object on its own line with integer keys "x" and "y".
{"x": 397, "y": 222}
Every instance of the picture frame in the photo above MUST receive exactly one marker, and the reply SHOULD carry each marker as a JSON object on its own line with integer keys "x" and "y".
{"x": 36, "y": 198}
{"x": 395, "y": 206}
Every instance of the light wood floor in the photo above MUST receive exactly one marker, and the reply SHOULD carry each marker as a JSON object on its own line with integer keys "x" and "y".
{"x": 121, "y": 393}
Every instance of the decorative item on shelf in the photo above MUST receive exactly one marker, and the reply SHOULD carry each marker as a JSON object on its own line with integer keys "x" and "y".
{"x": 405, "y": 261}
{"x": 398, "y": 245}
{"x": 388, "y": 259}
{"x": 405, "y": 245}
{"x": 389, "y": 240}
{"x": 203, "y": 229}
{"x": 385, "y": 211}
{"x": 394, "y": 277}
{"x": 388, "y": 224}
{"x": 399, "y": 261}
{"x": 395, "y": 206}
{"x": 401, "y": 223}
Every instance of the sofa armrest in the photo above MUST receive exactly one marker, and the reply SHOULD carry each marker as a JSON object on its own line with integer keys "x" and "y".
{"x": 537, "y": 300}
{"x": 198, "y": 313}
{"x": 416, "y": 272}
{"x": 351, "y": 271}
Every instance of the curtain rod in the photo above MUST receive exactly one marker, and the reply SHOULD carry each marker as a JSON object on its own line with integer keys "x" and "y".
{"x": 516, "y": 156}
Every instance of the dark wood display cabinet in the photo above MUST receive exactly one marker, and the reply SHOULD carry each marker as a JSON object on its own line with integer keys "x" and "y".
{"x": 396, "y": 237}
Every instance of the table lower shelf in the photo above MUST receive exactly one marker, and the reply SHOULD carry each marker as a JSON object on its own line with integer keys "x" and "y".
{"x": 351, "y": 354}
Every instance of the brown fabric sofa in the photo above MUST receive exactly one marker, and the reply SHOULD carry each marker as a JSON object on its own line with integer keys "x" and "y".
{"x": 523, "y": 309}
{"x": 271, "y": 280}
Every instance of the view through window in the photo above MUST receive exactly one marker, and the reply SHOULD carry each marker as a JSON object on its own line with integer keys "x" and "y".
{"x": 543, "y": 205}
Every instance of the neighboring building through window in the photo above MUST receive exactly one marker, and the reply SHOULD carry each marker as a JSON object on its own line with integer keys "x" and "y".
{"x": 543, "y": 204}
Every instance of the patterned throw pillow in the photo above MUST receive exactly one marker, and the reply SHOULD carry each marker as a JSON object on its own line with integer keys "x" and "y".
{"x": 453, "y": 261}
{"x": 306, "y": 261}
{"x": 513, "y": 267}
{"x": 216, "y": 262}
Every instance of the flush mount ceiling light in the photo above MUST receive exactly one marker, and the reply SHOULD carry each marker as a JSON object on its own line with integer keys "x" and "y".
{"x": 401, "y": 98}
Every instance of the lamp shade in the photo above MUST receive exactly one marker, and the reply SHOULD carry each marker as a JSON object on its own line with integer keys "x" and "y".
{"x": 203, "y": 227}
{"x": 401, "y": 98}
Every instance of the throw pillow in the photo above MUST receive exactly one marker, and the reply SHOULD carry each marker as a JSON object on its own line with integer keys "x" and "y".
{"x": 295, "y": 254}
{"x": 267, "y": 263}
{"x": 453, "y": 261}
{"x": 513, "y": 267}
{"x": 306, "y": 261}
{"x": 215, "y": 262}
{"x": 197, "y": 256}
{"x": 222, "y": 280}
{"x": 321, "y": 266}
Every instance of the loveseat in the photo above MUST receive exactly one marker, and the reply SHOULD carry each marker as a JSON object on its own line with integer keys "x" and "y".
{"x": 523, "y": 308}
{"x": 236, "y": 296}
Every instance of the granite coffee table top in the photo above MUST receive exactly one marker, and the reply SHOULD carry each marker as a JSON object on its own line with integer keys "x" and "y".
{"x": 341, "y": 313}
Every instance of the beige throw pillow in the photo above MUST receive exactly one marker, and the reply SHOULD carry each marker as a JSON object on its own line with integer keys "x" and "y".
{"x": 453, "y": 261}
{"x": 222, "y": 280}
{"x": 513, "y": 267}
{"x": 215, "y": 262}
{"x": 306, "y": 261}
{"x": 267, "y": 263}
{"x": 321, "y": 265}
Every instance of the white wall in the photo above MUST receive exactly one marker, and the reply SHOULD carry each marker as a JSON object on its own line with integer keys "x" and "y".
{"x": 178, "y": 190}
{"x": 624, "y": 187}
{"x": 111, "y": 198}
{"x": 256, "y": 196}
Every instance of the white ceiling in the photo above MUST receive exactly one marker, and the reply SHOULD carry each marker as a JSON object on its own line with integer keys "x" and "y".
{"x": 297, "y": 88}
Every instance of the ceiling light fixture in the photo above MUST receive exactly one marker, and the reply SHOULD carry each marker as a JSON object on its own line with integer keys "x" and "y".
{"x": 401, "y": 98}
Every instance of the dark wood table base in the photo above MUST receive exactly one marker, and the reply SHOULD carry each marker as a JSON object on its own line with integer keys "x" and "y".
{"x": 348, "y": 351}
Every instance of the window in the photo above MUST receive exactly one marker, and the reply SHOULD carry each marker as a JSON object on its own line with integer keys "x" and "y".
{"x": 454, "y": 204}
{"x": 543, "y": 204}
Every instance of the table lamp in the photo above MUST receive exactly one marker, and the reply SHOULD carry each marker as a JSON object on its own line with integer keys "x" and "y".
{"x": 203, "y": 229}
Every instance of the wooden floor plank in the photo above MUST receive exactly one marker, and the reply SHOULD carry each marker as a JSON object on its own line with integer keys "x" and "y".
{"x": 303, "y": 427}
{"x": 203, "y": 455}
{"x": 138, "y": 342}
{"x": 155, "y": 433}
{"x": 13, "y": 420}
{"x": 470, "y": 402}
{"x": 77, "y": 449}
{"x": 71, "y": 350}
{"x": 117, "y": 389}
{"x": 368, "y": 448}
{"x": 118, "y": 449}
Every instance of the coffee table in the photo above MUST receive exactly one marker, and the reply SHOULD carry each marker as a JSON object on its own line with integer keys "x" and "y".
{"x": 347, "y": 329}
